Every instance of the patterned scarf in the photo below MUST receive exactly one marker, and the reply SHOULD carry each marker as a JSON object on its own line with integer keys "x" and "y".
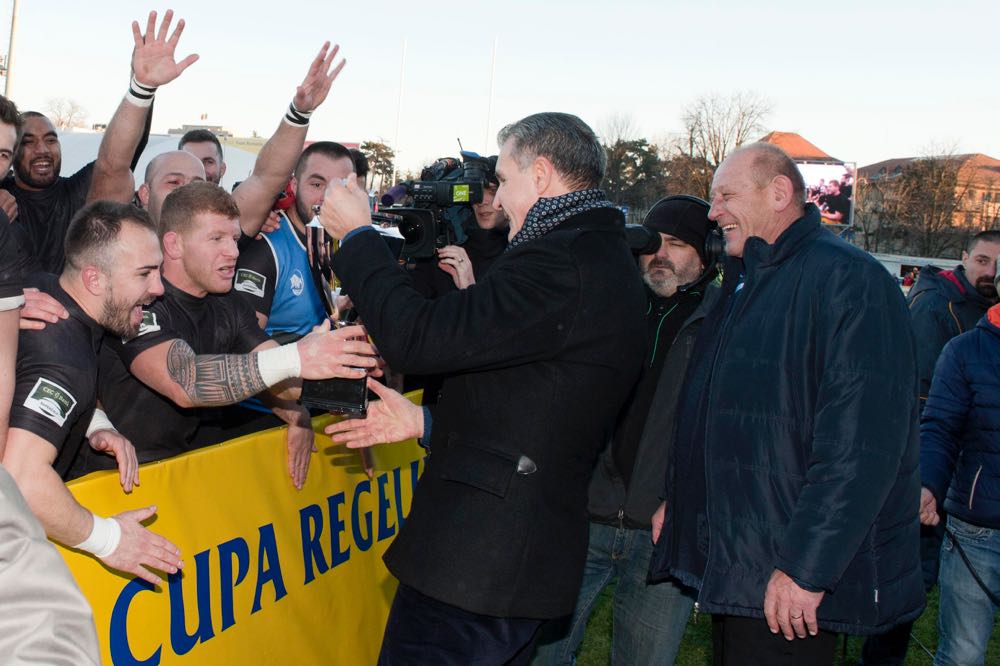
{"x": 547, "y": 213}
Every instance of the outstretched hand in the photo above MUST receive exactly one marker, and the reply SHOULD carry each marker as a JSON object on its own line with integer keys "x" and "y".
{"x": 153, "y": 61}
{"x": 392, "y": 418}
{"x": 315, "y": 87}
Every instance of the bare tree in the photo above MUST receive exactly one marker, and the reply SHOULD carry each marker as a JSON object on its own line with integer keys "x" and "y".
{"x": 918, "y": 208}
{"x": 66, "y": 113}
{"x": 618, "y": 128}
{"x": 714, "y": 126}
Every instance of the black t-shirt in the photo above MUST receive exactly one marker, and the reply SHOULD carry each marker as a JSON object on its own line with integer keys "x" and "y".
{"x": 56, "y": 382}
{"x": 43, "y": 217}
{"x": 13, "y": 266}
{"x": 259, "y": 258}
{"x": 838, "y": 203}
{"x": 215, "y": 324}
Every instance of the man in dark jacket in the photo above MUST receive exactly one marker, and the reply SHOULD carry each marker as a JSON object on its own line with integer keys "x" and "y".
{"x": 540, "y": 354}
{"x": 792, "y": 490}
{"x": 960, "y": 469}
{"x": 649, "y": 618}
{"x": 943, "y": 304}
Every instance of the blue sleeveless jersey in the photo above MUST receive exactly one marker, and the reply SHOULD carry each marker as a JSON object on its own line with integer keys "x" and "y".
{"x": 297, "y": 305}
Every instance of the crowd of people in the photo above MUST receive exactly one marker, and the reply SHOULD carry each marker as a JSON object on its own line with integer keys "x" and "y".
{"x": 705, "y": 423}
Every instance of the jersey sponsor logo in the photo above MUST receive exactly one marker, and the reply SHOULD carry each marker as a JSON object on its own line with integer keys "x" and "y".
{"x": 149, "y": 323}
{"x": 50, "y": 400}
{"x": 250, "y": 282}
{"x": 297, "y": 283}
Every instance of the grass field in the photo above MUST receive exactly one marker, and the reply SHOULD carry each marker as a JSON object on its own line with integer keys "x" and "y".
{"x": 696, "y": 650}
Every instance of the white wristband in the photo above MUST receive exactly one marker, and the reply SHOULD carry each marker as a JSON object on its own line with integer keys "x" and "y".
{"x": 140, "y": 94}
{"x": 104, "y": 538}
{"x": 279, "y": 363}
{"x": 99, "y": 421}
{"x": 295, "y": 117}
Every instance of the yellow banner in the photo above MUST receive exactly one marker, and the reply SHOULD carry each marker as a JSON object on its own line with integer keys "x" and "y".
{"x": 272, "y": 575}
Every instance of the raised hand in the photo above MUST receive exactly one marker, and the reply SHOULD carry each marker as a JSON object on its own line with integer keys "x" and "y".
{"x": 315, "y": 87}
{"x": 139, "y": 548}
{"x": 112, "y": 442}
{"x": 393, "y": 418}
{"x": 153, "y": 61}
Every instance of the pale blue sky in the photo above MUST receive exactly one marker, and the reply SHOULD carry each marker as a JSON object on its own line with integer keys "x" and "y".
{"x": 864, "y": 81}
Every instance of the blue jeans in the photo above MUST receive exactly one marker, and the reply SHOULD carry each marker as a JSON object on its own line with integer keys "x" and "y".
{"x": 648, "y": 620}
{"x": 966, "y": 619}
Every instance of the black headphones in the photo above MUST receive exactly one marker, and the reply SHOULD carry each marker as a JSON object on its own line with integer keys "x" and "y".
{"x": 715, "y": 245}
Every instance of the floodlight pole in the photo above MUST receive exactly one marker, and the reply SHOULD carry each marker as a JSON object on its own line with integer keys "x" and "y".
{"x": 10, "y": 52}
{"x": 489, "y": 110}
{"x": 399, "y": 111}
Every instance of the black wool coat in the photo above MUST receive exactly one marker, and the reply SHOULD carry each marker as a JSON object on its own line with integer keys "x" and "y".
{"x": 540, "y": 356}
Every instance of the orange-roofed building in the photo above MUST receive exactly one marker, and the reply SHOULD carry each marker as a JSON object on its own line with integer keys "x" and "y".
{"x": 798, "y": 148}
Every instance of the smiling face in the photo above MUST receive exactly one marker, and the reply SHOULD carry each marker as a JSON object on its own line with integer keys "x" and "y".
{"x": 741, "y": 206}
{"x": 39, "y": 155}
{"x": 517, "y": 192}
{"x": 134, "y": 280}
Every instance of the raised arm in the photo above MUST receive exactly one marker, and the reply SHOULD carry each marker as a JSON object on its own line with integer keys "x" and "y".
{"x": 276, "y": 160}
{"x": 153, "y": 65}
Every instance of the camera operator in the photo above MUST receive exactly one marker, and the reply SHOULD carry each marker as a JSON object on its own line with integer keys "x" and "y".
{"x": 540, "y": 357}
{"x": 458, "y": 265}
{"x": 487, "y": 238}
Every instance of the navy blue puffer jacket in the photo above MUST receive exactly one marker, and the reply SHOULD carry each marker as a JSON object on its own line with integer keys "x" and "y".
{"x": 810, "y": 449}
{"x": 960, "y": 429}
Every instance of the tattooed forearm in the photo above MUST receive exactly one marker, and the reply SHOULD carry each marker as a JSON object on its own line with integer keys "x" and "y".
{"x": 211, "y": 380}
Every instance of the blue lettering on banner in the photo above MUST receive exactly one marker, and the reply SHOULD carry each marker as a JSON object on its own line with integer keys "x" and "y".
{"x": 121, "y": 653}
{"x": 311, "y": 526}
{"x": 333, "y": 504}
{"x": 268, "y": 551}
{"x": 180, "y": 640}
{"x": 385, "y": 530}
{"x": 234, "y": 566}
{"x": 239, "y": 548}
{"x": 362, "y": 541}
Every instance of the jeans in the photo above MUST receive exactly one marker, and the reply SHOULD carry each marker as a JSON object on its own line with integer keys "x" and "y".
{"x": 648, "y": 620}
{"x": 966, "y": 619}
